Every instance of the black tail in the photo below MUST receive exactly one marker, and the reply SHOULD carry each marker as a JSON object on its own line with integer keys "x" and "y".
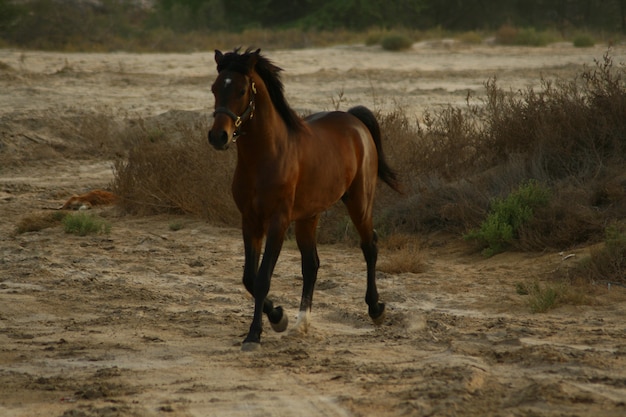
{"x": 385, "y": 172}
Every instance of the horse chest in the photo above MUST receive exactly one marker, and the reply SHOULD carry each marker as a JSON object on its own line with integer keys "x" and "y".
{"x": 263, "y": 193}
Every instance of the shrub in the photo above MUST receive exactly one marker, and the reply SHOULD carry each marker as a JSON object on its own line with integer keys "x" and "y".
{"x": 542, "y": 298}
{"x": 177, "y": 171}
{"x": 507, "y": 215}
{"x": 583, "y": 40}
{"x": 510, "y": 35}
{"x": 396, "y": 42}
{"x": 82, "y": 224}
{"x": 607, "y": 263}
{"x": 506, "y": 35}
{"x": 531, "y": 37}
{"x": 470, "y": 37}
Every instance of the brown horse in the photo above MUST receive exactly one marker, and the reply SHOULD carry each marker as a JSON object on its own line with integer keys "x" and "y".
{"x": 291, "y": 169}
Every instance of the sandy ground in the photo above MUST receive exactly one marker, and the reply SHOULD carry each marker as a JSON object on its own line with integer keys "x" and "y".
{"x": 146, "y": 321}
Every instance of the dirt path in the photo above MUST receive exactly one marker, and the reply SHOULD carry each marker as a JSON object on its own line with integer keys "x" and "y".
{"x": 146, "y": 321}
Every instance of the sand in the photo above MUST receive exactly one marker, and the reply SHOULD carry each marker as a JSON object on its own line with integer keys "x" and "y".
{"x": 147, "y": 321}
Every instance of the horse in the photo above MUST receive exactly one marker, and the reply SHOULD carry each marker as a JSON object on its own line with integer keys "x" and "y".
{"x": 289, "y": 170}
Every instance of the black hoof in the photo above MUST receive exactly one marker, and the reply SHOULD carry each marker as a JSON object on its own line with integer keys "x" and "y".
{"x": 281, "y": 326}
{"x": 250, "y": 346}
{"x": 278, "y": 320}
{"x": 377, "y": 314}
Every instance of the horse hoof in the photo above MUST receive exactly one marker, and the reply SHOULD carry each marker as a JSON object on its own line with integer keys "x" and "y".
{"x": 281, "y": 326}
{"x": 379, "y": 317}
{"x": 250, "y": 346}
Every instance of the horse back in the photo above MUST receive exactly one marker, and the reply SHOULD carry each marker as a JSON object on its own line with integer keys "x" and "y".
{"x": 339, "y": 136}
{"x": 337, "y": 152}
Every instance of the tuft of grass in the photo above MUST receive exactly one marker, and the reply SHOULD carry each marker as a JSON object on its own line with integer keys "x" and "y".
{"x": 83, "y": 224}
{"x": 404, "y": 255}
{"x": 35, "y": 222}
{"x": 543, "y": 298}
{"x": 552, "y": 294}
{"x": 176, "y": 225}
{"x": 507, "y": 215}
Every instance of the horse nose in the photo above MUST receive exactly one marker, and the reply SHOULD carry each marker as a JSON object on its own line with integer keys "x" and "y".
{"x": 219, "y": 139}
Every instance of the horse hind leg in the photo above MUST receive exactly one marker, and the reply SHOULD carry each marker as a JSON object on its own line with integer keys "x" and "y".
{"x": 361, "y": 215}
{"x": 376, "y": 309}
{"x": 305, "y": 237}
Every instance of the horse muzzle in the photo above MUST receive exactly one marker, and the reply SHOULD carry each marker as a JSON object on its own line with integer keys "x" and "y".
{"x": 219, "y": 139}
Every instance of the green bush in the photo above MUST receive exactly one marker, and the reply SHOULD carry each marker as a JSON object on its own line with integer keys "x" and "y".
{"x": 396, "y": 42}
{"x": 583, "y": 41}
{"x": 507, "y": 215}
{"x": 544, "y": 298}
{"x": 511, "y": 35}
{"x": 82, "y": 224}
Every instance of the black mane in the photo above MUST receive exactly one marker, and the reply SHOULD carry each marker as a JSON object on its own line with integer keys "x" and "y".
{"x": 270, "y": 74}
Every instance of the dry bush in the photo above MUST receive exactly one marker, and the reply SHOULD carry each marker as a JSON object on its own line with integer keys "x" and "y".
{"x": 566, "y": 222}
{"x": 608, "y": 263}
{"x": 569, "y": 135}
{"x": 172, "y": 169}
{"x": 402, "y": 254}
{"x": 36, "y": 221}
{"x": 605, "y": 264}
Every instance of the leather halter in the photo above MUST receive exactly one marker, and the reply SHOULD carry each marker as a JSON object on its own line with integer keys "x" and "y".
{"x": 247, "y": 114}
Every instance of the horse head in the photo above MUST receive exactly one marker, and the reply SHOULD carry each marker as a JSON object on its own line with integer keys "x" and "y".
{"x": 234, "y": 92}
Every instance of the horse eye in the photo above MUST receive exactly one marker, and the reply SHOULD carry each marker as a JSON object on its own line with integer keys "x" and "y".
{"x": 242, "y": 92}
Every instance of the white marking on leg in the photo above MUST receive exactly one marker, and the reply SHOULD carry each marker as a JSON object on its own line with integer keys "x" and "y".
{"x": 303, "y": 322}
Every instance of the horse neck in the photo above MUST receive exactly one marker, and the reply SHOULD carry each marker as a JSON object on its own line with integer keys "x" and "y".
{"x": 266, "y": 134}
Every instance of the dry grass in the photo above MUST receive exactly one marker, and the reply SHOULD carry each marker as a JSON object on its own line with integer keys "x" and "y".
{"x": 402, "y": 254}
{"x": 177, "y": 171}
{"x": 546, "y": 296}
{"x": 36, "y": 221}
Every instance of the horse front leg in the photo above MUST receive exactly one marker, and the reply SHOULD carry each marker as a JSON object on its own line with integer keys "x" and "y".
{"x": 259, "y": 287}
{"x": 252, "y": 252}
{"x": 306, "y": 238}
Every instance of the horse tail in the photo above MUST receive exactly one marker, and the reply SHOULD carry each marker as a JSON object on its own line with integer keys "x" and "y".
{"x": 385, "y": 172}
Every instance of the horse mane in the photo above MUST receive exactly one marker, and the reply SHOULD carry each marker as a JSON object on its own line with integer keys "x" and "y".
{"x": 270, "y": 74}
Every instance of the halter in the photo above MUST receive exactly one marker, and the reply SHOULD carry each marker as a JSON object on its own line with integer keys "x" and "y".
{"x": 248, "y": 113}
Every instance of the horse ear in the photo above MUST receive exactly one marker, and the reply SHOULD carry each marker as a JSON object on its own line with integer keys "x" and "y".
{"x": 253, "y": 60}
{"x": 218, "y": 56}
